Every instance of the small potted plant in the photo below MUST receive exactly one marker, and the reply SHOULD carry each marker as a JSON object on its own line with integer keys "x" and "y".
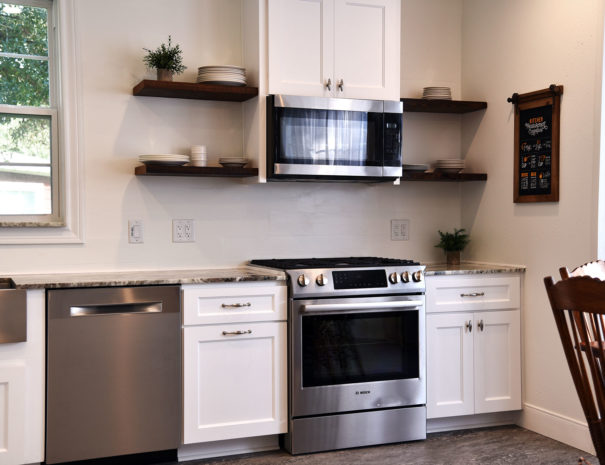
{"x": 168, "y": 60}
{"x": 453, "y": 244}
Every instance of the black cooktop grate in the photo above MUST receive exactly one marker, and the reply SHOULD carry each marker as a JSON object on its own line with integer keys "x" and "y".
{"x": 331, "y": 262}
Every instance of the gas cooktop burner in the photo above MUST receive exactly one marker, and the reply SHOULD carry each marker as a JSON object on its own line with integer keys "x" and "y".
{"x": 337, "y": 262}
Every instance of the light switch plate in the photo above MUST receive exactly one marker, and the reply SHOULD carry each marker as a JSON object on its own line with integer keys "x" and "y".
{"x": 400, "y": 230}
{"x": 135, "y": 231}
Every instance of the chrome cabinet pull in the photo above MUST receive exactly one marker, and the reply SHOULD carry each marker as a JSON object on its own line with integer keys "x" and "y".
{"x": 341, "y": 85}
{"x": 247, "y": 304}
{"x": 480, "y": 325}
{"x": 236, "y": 333}
{"x": 469, "y": 326}
{"x": 329, "y": 84}
{"x": 473, "y": 294}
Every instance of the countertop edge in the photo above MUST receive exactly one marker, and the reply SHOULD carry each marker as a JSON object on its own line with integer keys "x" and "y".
{"x": 145, "y": 278}
{"x": 471, "y": 267}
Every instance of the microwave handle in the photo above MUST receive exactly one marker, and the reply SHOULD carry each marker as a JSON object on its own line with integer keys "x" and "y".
{"x": 361, "y": 306}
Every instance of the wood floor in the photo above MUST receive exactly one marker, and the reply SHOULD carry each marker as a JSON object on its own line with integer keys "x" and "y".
{"x": 490, "y": 446}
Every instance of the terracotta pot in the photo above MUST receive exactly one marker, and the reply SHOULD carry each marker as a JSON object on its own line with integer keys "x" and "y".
{"x": 452, "y": 257}
{"x": 165, "y": 75}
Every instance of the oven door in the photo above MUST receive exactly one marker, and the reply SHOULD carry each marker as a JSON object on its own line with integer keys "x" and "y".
{"x": 351, "y": 354}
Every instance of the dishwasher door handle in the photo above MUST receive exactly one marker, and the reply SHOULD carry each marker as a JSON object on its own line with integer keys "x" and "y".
{"x": 116, "y": 309}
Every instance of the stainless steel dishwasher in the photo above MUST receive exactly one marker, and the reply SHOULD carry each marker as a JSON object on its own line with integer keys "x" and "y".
{"x": 113, "y": 372}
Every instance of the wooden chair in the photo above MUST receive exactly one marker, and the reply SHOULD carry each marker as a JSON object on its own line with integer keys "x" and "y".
{"x": 594, "y": 269}
{"x": 578, "y": 305}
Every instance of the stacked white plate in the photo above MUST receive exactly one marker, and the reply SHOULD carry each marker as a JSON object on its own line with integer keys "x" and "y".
{"x": 450, "y": 165}
{"x": 164, "y": 159}
{"x": 233, "y": 162}
{"x": 227, "y": 75}
{"x": 437, "y": 93}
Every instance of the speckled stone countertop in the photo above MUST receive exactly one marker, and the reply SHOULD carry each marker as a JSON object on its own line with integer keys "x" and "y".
{"x": 438, "y": 269}
{"x": 142, "y": 278}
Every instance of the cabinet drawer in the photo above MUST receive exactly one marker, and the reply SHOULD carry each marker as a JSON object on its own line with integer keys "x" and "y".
{"x": 233, "y": 303}
{"x": 468, "y": 293}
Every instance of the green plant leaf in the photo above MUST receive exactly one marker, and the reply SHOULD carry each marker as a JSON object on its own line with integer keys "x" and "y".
{"x": 451, "y": 242}
{"x": 165, "y": 57}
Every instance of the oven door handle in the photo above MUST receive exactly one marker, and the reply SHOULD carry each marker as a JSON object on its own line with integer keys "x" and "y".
{"x": 361, "y": 306}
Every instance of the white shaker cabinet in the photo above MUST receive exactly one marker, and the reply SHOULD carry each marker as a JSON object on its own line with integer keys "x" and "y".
{"x": 473, "y": 345}
{"x": 234, "y": 356}
{"x": 335, "y": 48}
{"x": 22, "y": 389}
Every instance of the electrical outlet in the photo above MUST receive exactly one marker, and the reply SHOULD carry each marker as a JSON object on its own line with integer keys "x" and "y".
{"x": 182, "y": 231}
{"x": 135, "y": 231}
{"x": 400, "y": 230}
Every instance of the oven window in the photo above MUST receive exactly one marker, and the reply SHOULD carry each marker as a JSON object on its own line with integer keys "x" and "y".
{"x": 329, "y": 137}
{"x": 360, "y": 347}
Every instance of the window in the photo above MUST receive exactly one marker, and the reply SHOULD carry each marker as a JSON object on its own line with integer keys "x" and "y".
{"x": 28, "y": 116}
{"x": 39, "y": 165}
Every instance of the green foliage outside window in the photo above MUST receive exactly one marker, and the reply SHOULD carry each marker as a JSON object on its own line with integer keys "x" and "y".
{"x": 24, "y": 81}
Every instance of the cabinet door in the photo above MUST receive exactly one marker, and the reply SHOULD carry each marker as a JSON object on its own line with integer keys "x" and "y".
{"x": 12, "y": 414}
{"x": 497, "y": 361}
{"x": 449, "y": 357}
{"x": 234, "y": 384}
{"x": 366, "y": 48}
{"x": 301, "y": 46}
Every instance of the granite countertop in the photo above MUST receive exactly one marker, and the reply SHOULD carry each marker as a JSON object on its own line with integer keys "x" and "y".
{"x": 439, "y": 269}
{"x": 142, "y": 278}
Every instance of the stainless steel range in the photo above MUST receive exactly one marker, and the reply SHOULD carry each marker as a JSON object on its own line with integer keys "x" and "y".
{"x": 356, "y": 352}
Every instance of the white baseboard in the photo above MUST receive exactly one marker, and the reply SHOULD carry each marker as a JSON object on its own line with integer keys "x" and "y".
{"x": 229, "y": 447}
{"x": 564, "y": 429}
{"x": 438, "y": 425}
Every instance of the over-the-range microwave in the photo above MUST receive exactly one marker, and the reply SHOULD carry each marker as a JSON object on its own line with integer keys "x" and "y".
{"x": 333, "y": 139}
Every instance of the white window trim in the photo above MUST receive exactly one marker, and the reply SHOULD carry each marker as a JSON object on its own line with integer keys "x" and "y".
{"x": 70, "y": 141}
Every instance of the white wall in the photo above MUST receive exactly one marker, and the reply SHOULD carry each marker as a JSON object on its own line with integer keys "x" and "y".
{"x": 234, "y": 221}
{"x": 520, "y": 46}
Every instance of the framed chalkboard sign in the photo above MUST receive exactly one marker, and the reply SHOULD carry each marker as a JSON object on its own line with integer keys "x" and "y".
{"x": 537, "y": 123}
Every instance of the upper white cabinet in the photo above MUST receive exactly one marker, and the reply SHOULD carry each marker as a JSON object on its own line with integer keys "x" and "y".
{"x": 334, "y": 48}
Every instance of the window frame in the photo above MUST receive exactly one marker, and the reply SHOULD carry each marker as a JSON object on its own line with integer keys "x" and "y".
{"x": 66, "y": 223}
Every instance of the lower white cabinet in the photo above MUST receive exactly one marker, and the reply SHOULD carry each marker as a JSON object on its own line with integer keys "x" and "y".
{"x": 473, "y": 357}
{"x": 22, "y": 376}
{"x": 235, "y": 377}
{"x": 12, "y": 413}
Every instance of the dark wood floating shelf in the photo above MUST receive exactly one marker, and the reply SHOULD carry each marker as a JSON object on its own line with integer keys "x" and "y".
{"x": 199, "y": 171}
{"x": 422, "y": 105}
{"x": 441, "y": 176}
{"x": 191, "y": 90}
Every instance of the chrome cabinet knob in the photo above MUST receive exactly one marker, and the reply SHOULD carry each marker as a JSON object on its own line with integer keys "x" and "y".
{"x": 394, "y": 278}
{"x": 417, "y": 276}
{"x": 329, "y": 84}
{"x": 405, "y": 277}
{"x": 303, "y": 280}
{"x": 321, "y": 280}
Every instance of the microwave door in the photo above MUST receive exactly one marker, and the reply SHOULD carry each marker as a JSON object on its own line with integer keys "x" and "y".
{"x": 326, "y": 142}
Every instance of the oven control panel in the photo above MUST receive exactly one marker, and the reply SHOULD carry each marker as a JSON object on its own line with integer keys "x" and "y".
{"x": 356, "y": 281}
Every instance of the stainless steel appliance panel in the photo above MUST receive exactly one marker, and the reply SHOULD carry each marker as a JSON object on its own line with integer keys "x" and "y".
{"x": 366, "y": 388}
{"x": 357, "y": 429}
{"x": 13, "y": 313}
{"x": 113, "y": 372}
{"x": 336, "y": 139}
